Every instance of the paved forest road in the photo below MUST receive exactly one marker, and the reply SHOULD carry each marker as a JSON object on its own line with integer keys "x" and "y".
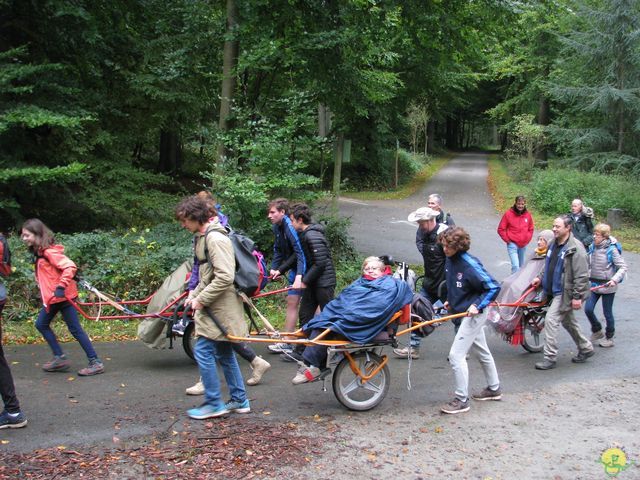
{"x": 549, "y": 425}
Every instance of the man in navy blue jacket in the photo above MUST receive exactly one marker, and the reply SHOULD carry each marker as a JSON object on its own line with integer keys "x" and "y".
{"x": 288, "y": 256}
{"x": 469, "y": 289}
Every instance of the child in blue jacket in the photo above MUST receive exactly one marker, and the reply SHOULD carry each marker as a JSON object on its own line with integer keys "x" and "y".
{"x": 470, "y": 289}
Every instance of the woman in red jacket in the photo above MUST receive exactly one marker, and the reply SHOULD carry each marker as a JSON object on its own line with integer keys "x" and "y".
{"x": 516, "y": 230}
{"x": 54, "y": 274}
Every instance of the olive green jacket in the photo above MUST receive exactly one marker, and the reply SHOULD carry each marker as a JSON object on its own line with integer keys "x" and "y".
{"x": 215, "y": 289}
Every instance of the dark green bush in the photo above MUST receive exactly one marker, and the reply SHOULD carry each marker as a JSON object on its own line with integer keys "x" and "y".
{"x": 553, "y": 190}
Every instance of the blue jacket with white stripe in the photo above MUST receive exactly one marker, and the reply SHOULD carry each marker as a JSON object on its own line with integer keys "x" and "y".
{"x": 287, "y": 250}
{"x": 468, "y": 283}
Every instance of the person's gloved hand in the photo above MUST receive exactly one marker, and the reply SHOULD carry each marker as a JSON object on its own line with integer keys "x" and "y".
{"x": 59, "y": 292}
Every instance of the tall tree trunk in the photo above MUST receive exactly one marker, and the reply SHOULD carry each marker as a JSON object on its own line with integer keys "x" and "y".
{"x": 620, "y": 74}
{"x": 620, "y": 127}
{"x": 170, "y": 159}
{"x": 229, "y": 64}
{"x": 431, "y": 136}
{"x": 426, "y": 137}
{"x": 452, "y": 127}
{"x": 324, "y": 120}
{"x": 543, "y": 119}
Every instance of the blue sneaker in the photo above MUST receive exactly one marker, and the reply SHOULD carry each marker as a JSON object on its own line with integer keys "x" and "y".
{"x": 238, "y": 407}
{"x": 207, "y": 411}
{"x": 12, "y": 421}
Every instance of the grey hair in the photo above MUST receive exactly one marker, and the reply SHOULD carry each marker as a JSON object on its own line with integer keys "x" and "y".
{"x": 437, "y": 197}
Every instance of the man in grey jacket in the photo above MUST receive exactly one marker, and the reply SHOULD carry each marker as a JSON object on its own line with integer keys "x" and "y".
{"x": 565, "y": 279}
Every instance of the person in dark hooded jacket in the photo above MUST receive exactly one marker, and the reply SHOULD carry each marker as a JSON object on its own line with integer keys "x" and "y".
{"x": 581, "y": 222}
{"x": 319, "y": 281}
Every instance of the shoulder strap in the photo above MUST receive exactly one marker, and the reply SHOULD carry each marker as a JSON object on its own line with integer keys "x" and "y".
{"x": 206, "y": 248}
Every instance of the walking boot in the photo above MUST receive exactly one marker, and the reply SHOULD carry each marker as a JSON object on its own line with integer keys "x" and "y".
{"x": 546, "y": 364}
{"x": 260, "y": 366}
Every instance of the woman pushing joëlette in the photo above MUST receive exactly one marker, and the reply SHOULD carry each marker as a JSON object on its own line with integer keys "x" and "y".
{"x": 54, "y": 273}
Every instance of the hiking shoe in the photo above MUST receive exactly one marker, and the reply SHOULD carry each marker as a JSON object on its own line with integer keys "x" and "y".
{"x": 455, "y": 406}
{"x": 57, "y": 364}
{"x": 95, "y": 367}
{"x": 595, "y": 336}
{"x": 259, "y": 366}
{"x": 545, "y": 364}
{"x": 306, "y": 374}
{"x": 280, "y": 348}
{"x": 8, "y": 420}
{"x": 207, "y": 411}
{"x": 197, "y": 389}
{"x": 488, "y": 394}
{"x": 178, "y": 328}
{"x": 237, "y": 407}
{"x": 291, "y": 356}
{"x": 606, "y": 342}
{"x": 581, "y": 357}
{"x": 406, "y": 352}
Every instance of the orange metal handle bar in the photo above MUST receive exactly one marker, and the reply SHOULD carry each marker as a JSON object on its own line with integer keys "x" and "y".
{"x": 431, "y": 322}
{"x": 359, "y": 373}
{"x": 272, "y": 292}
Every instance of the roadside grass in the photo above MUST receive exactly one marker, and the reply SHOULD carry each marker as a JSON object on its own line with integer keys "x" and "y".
{"x": 404, "y": 191}
{"x": 503, "y": 188}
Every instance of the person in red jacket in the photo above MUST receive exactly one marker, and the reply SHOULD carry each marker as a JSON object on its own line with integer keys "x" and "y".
{"x": 516, "y": 230}
{"x": 54, "y": 274}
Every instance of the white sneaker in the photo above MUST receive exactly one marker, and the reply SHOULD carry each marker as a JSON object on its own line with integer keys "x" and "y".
{"x": 197, "y": 389}
{"x": 405, "y": 352}
{"x": 306, "y": 374}
{"x": 280, "y": 348}
{"x": 606, "y": 342}
{"x": 260, "y": 366}
{"x": 595, "y": 336}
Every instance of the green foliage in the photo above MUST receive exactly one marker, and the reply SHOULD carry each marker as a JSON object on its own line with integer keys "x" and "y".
{"x": 336, "y": 232}
{"x": 526, "y": 138}
{"x": 130, "y": 265}
{"x": 121, "y": 195}
{"x": 553, "y": 190}
{"x": 380, "y": 175}
{"x": 596, "y": 83}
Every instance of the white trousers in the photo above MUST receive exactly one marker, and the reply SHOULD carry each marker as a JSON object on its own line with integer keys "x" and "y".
{"x": 471, "y": 339}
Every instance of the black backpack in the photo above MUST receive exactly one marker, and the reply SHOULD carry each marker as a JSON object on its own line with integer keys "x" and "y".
{"x": 422, "y": 307}
{"x": 251, "y": 268}
{"x": 5, "y": 262}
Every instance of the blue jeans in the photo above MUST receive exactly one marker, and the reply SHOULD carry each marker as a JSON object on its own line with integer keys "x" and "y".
{"x": 207, "y": 353}
{"x": 70, "y": 317}
{"x": 607, "y": 309}
{"x": 516, "y": 256}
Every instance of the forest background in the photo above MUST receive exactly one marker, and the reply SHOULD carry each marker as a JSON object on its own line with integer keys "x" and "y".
{"x": 112, "y": 111}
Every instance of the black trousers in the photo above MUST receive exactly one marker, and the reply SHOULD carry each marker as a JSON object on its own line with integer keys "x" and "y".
{"x": 7, "y": 388}
{"x": 244, "y": 350}
{"x": 312, "y": 298}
